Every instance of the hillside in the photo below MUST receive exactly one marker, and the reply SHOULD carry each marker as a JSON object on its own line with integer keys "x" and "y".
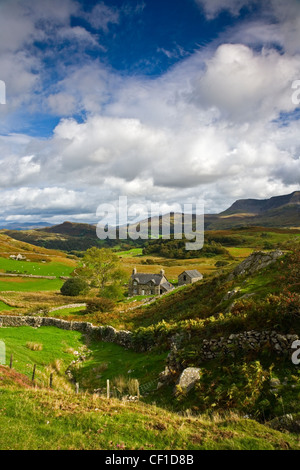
{"x": 228, "y": 326}
{"x": 10, "y": 245}
{"x": 58, "y": 418}
{"x": 72, "y": 229}
{"x": 278, "y": 211}
{"x": 257, "y": 206}
{"x": 53, "y": 420}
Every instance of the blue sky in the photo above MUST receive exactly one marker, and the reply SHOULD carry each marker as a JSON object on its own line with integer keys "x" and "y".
{"x": 163, "y": 101}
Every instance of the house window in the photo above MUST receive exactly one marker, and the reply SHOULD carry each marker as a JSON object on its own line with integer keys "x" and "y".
{"x": 184, "y": 277}
{"x": 134, "y": 291}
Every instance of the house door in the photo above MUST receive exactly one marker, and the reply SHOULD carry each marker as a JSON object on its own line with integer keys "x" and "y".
{"x": 143, "y": 292}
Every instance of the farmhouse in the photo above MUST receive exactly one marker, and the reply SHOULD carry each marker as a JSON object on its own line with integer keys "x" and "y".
{"x": 148, "y": 284}
{"x": 188, "y": 277}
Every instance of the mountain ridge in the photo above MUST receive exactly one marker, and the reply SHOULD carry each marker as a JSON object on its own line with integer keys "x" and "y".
{"x": 276, "y": 212}
{"x": 258, "y": 206}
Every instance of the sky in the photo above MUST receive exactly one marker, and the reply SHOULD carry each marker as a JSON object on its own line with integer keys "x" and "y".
{"x": 162, "y": 101}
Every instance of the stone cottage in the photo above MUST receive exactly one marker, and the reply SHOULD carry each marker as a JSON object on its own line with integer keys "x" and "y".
{"x": 148, "y": 284}
{"x": 188, "y": 277}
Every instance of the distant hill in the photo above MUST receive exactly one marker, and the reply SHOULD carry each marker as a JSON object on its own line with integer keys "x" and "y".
{"x": 13, "y": 246}
{"x": 276, "y": 212}
{"x": 22, "y": 225}
{"x": 73, "y": 229}
{"x": 279, "y": 212}
{"x": 259, "y": 206}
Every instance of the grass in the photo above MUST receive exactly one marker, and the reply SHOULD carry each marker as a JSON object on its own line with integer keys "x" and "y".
{"x": 43, "y": 346}
{"x": 130, "y": 253}
{"x": 29, "y": 267}
{"x": 57, "y": 345}
{"x": 109, "y": 361}
{"x": 67, "y": 311}
{"x": 57, "y": 421}
{"x": 18, "y": 284}
{"x": 5, "y": 307}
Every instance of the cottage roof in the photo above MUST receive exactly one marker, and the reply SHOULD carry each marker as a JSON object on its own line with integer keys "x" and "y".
{"x": 167, "y": 286}
{"x": 144, "y": 278}
{"x": 192, "y": 273}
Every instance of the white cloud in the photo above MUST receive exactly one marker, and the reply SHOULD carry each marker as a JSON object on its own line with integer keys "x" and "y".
{"x": 243, "y": 84}
{"x": 213, "y": 7}
{"x": 102, "y": 16}
{"x": 209, "y": 127}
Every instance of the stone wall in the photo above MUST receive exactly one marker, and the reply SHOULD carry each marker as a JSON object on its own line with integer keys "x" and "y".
{"x": 34, "y": 276}
{"x": 235, "y": 343}
{"x": 103, "y": 333}
{"x": 208, "y": 349}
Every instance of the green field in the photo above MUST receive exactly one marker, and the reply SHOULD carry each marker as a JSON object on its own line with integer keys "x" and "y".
{"x": 109, "y": 361}
{"x": 19, "y": 284}
{"x": 29, "y": 267}
{"x": 4, "y": 306}
{"x": 67, "y": 311}
{"x": 56, "y": 345}
{"x": 60, "y": 419}
{"x": 131, "y": 253}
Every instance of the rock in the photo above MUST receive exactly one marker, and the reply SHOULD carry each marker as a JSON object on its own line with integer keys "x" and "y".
{"x": 274, "y": 383}
{"x": 286, "y": 423}
{"x": 255, "y": 262}
{"x": 188, "y": 378}
{"x": 230, "y": 294}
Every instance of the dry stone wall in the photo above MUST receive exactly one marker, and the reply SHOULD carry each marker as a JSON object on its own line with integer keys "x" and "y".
{"x": 103, "y": 333}
{"x": 208, "y": 349}
{"x": 241, "y": 342}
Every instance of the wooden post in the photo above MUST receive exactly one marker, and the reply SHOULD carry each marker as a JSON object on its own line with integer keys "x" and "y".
{"x": 77, "y": 388}
{"x": 11, "y": 361}
{"x": 51, "y": 380}
{"x": 33, "y": 372}
{"x": 107, "y": 389}
{"x": 138, "y": 389}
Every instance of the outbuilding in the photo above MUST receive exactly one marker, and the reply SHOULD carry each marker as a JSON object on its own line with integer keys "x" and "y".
{"x": 189, "y": 277}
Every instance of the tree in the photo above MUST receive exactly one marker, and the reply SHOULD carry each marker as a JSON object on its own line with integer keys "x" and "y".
{"x": 102, "y": 268}
{"x": 74, "y": 286}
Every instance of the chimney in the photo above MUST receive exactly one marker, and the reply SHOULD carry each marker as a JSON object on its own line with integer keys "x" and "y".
{"x": 134, "y": 271}
{"x": 162, "y": 272}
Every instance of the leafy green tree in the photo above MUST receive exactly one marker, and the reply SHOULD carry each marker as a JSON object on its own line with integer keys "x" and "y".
{"x": 74, "y": 286}
{"x": 103, "y": 270}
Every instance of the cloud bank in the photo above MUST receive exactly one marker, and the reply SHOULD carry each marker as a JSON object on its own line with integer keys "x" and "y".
{"x": 219, "y": 125}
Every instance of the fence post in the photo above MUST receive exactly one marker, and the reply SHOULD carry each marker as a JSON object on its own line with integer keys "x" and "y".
{"x": 77, "y": 388}
{"x": 107, "y": 389}
{"x": 11, "y": 361}
{"x": 51, "y": 380}
{"x": 33, "y": 372}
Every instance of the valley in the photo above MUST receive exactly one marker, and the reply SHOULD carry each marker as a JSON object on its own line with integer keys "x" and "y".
{"x": 235, "y": 327}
